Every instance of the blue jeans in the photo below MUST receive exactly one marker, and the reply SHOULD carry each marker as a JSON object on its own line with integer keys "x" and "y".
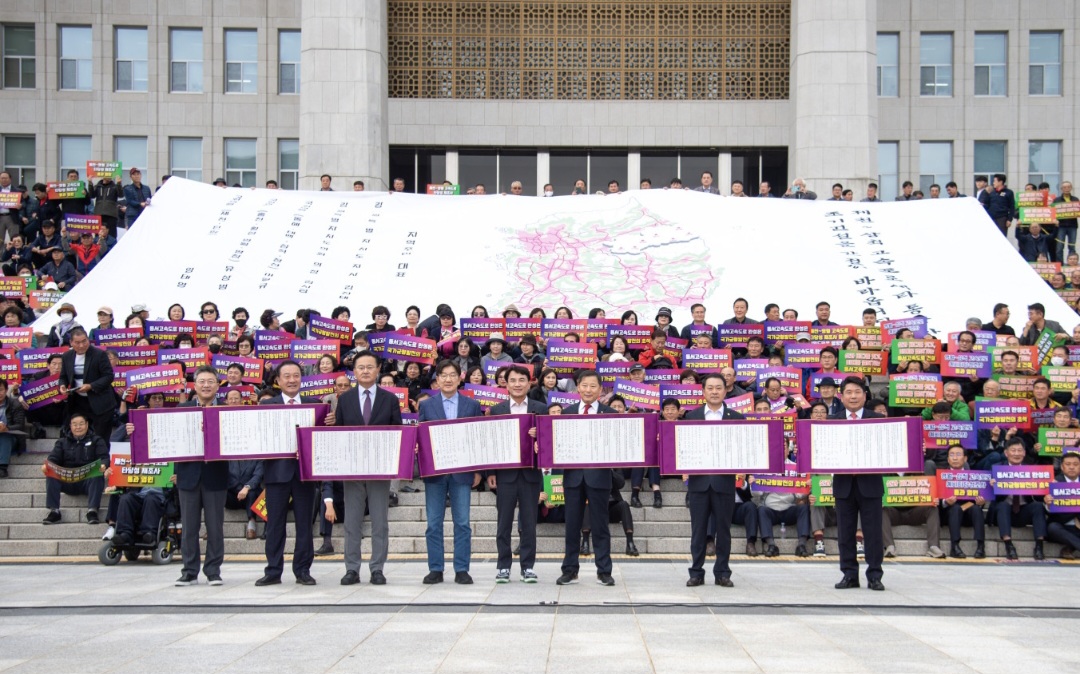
{"x": 1065, "y": 235}
{"x": 435, "y": 490}
{"x": 7, "y": 444}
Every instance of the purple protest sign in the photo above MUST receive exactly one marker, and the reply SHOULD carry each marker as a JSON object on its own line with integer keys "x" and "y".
{"x": 916, "y": 324}
{"x": 735, "y": 334}
{"x": 789, "y": 377}
{"x": 356, "y": 453}
{"x": 516, "y": 328}
{"x": 562, "y": 398}
{"x": 663, "y": 376}
{"x": 409, "y": 348}
{"x": 966, "y": 364}
{"x": 487, "y": 396}
{"x": 321, "y": 327}
{"x": 253, "y": 367}
{"x": 641, "y": 396}
{"x": 693, "y": 330}
{"x": 16, "y": 338}
{"x": 943, "y": 434}
{"x": 803, "y": 354}
{"x": 609, "y": 371}
{"x": 32, "y": 361}
{"x": 258, "y": 432}
{"x": 964, "y": 485}
{"x": 166, "y": 332}
{"x": 721, "y": 447}
{"x": 1066, "y": 497}
{"x": 688, "y": 395}
{"x": 318, "y": 385}
{"x": 191, "y": 358}
{"x": 746, "y": 369}
{"x": 865, "y": 446}
{"x": 117, "y": 337}
{"x": 479, "y": 329}
{"x": 556, "y": 328}
{"x": 174, "y": 434}
{"x": 706, "y": 360}
{"x": 43, "y": 392}
{"x": 636, "y": 336}
{"x": 475, "y": 444}
{"x": 597, "y": 441}
{"x": 1022, "y": 480}
{"x": 309, "y": 351}
{"x": 784, "y": 331}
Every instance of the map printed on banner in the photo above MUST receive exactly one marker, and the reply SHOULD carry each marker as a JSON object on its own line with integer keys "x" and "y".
{"x": 637, "y": 250}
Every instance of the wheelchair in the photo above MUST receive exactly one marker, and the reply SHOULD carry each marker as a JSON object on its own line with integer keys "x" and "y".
{"x": 164, "y": 547}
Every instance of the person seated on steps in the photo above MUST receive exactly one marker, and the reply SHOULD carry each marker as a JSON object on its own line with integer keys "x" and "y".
{"x": 618, "y": 511}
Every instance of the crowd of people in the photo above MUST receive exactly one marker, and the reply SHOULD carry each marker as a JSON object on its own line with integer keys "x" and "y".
{"x": 95, "y": 413}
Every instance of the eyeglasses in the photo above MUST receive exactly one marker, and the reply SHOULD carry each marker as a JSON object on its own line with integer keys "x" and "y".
{"x": 207, "y": 311}
{"x": 366, "y": 368}
{"x": 448, "y": 375}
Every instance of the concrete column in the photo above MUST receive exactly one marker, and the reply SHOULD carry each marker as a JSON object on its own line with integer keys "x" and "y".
{"x": 343, "y": 105}
{"x": 834, "y": 94}
{"x": 633, "y": 170}
{"x": 723, "y": 173}
{"x": 452, "y": 166}
{"x": 543, "y": 171}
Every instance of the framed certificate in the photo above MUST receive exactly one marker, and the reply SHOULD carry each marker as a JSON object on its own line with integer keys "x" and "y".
{"x": 597, "y": 441}
{"x": 260, "y": 431}
{"x": 865, "y": 446}
{"x": 357, "y": 453}
{"x": 721, "y": 447}
{"x": 475, "y": 443}
{"x": 174, "y": 434}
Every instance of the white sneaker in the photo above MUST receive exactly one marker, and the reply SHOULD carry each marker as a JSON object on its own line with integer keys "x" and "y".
{"x": 860, "y": 550}
{"x": 109, "y": 533}
{"x": 890, "y": 551}
{"x": 935, "y": 552}
{"x": 503, "y": 576}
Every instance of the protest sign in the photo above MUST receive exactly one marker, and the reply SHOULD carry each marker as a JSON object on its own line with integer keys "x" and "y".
{"x": 410, "y": 349}
{"x": 1012, "y": 480}
{"x": 16, "y": 338}
{"x": 96, "y": 170}
{"x": 155, "y": 379}
{"x": 12, "y": 287}
{"x": 253, "y": 367}
{"x": 319, "y": 384}
{"x": 567, "y": 357}
{"x": 778, "y": 332}
{"x": 790, "y": 378}
{"x": 791, "y": 481}
{"x": 707, "y": 360}
{"x": 72, "y": 189}
{"x": 663, "y": 376}
{"x": 1066, "y": 497}
{"x": 674, "y": 347}
{"x": 1067, "y": 210}
{"x": 32, "y": 361}
{"x": 44, "y": 391}
{"x": 869, "y": 337}
{"x": 204, "y": 330}
{"x": 259, "y": 507}
{"x": 1028, "y": 355}
{"x": 833, "y": 335}
{"x": 516, "y": 328}
{"x": 944, "y": 434}
{"x": 1033, "y": 199}
{"x": 966, "y": 364}
{"x": 734, "y": 335}
{"x": 1056, "y": 441}
{"x": 743, "y": 404}
{"x": 1062, "y": 379}
{"x": 273, "y": 345}
{"x": 82, "y": 224}
{"x": 914, "y": 390}
{"x": 41, "y": 300}
{"x": 126, "y": 474}
{"x": 984, "y": 339}
{"x": 746, "y": 369}
{"x": 112, "y": 338}
{"x": 609, "y": 371}
{"x": 821, "y": 490}
{"x": 923, "y": 350}
{"x": 480, "y": 329}
{"x": 553, "y": 490}
{"x": 488, "y": 396}
{"x": 803, "y": 354}
{"x": 1016, "y": 387}
{"x": 562, "y": 398}
{"x": 71, "y": 475}
{"x": 309, "y": 351}
{"x": 596, "y": 330}
{"x": 909, "y": 490}
{"x": 441, "y": 190}
{"x": 964, "y": 485}
{"x": 11, "y": 200}
{"x": 889, "y": 329}
{"x": 1004, "y": 414}
{"x": 557, "y": 328}
{"x": 1037, "y": 216}
{"x": 641, "y": 396}
{"x": 321, "y": 327}
{"x": 636, "y": 336}
{"x": 191, "y": 358}
{"x": 688, "y": 395}
{"x": 402, "y": 395}
{"x": 159, "y": 332}
{"x": 136, "y": 356}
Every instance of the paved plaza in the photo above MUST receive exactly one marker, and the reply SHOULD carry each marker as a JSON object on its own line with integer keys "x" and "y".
{"x": 782, "y": 616}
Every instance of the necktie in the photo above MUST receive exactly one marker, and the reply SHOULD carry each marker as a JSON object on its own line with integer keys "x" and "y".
{"x": 367, "y": 407}
{"x": 291, "y": 401}
{"x": 1016, "y": 505}
{"x": 588, "y": 408}
{"x": 853, "y": 416}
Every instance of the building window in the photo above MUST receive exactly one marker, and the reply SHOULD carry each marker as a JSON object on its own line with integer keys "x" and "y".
{"x": 289, "y": 62}
{"x": 935, "y": 64}
{"x": 76, "y": 58}
{"x": 241, "y": 61}
{"x": 131, "y": 68}
{"x": 20, "y": 159}
{"x": 185, "y": 60}
{"x": 185, "y": 158}
{"x": 19, "y": 64}
{"x": 935, "y": 165}
{"x": 74, "y": 153}
{"x": 240, "y": 161}
{"x": 1044, "y": 162}
{"x": 991, "y": 59}
{"x": 130, "y": 151}
{"x": 989, "y": 157}
{"x": 288, "y": 164}
{"x": 888, "y": 160}
{"x": 1044, "y": 69}
{"x": 888, "y": 65}
{"x": 656, "y": 50}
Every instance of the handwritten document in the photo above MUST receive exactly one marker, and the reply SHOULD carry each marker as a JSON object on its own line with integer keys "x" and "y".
{"x": 175, "y": 435}
{"x": 482, "y": 443}
{"x": 597, "y": 440}
{"x": 255, "y": 431}
{"x": 362, "y": 453}
{"x": 857, "y": 446}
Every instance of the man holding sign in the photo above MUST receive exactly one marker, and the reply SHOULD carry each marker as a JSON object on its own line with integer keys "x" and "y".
{"x": 366, "y": 405}
{"x": 711, "y": 495}
{"x": 449, "y": 404}
{"x": 1062, "y": 527}
{"x": 858, "y": 496}
{"x": 517, "y": 487}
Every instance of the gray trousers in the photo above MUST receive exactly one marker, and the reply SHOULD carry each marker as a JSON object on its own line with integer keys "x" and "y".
{"x": 822, "y": 516}
{"x": 376, "y": 494}
{"x": 194, "y": 503}
{"x": 914, "y": 516}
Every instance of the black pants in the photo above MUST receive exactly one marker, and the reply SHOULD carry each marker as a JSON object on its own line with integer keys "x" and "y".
{"x": 277, "y": 513}
{"x": 524, "y": 496}
{"x": 576, "y": 498}
{"x": 234, "y": 503}
{"x": 619, "y": 512}
{"x": 140, "y": 513}
{"x": 959, "y": 516}
{"x": 848, "y": 512}
{"x": 703, "y": 505}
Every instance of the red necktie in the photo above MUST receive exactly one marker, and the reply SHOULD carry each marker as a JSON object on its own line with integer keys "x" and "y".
{"x": 291, "y": 401}
{"x": 853, "y": 416}
{"x": 588, "y": 408}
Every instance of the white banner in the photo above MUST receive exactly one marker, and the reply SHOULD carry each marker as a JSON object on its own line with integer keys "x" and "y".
{"x": 638, "y": 250}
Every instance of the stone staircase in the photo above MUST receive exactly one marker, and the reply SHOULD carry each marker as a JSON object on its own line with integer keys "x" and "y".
{"x": 664, "y": 531}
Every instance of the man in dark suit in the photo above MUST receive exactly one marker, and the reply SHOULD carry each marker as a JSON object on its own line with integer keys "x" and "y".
{"x": 367, "y": 405}
{"x": 517, "y": 487}
{"x": 711, "y": 495}
{"x": 449, "y": 404}
{"x": 1062, "y": 527}
{"x": 588, "y": 484}
{"x": 282, "y": 479}
{"x": 858, "y": 496}
{"x": 87, "y": 376}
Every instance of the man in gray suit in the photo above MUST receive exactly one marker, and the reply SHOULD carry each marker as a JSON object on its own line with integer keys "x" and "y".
{"x": 517, "y": 487}
{"x": 707, "y": 184}
{"x": 367, "y": 405}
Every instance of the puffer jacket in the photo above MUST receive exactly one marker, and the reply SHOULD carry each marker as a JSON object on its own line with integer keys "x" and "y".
{"x": 72, "y": 452}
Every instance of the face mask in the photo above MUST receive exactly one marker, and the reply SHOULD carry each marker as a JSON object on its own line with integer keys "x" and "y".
{"x": 241, "y": 322}
{"x": 185, "y": 346}
{"x": 549, "y": 193}
{"x": 67, "y": 317}
{"x": 1057, "y": 361}
{"x": 214, "y": 348}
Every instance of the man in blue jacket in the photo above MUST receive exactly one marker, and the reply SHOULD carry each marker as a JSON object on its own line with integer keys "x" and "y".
{"x": 449, "y": 404}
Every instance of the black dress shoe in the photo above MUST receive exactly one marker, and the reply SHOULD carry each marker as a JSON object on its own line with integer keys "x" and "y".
{"x": 875, "y": 585}
{"x": 657, "y": 500}
{"x": 980, "y": 550}
{"x": 325, "y": 549}
{"x": 1039, "y": 556}
{"x": 433, "y": 577}
{"x": 517, "y": 550}
{"x": 846, "y": 583}
{"x": 408, "y": 489}
{"x": 350, "y": 578}
{"x": 393, "y": 500}
{"x": 956, "y": 552}
{"x": 567, "y": 578}
{"x": 586, "y": 545}
{"x": 268, "y": 580}
{"x": 463, "y": 578}
{"x": 305, "y": 579}
{"x": 377, "y": 578}
{"x": 772, "y": 551}
{"x": 631, "y": 549}
{"x": 635, "y": 501}
{"x": 695, "y": 582}
{"x": 725, "y": 582}
{"x": 1010, "y": 551}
